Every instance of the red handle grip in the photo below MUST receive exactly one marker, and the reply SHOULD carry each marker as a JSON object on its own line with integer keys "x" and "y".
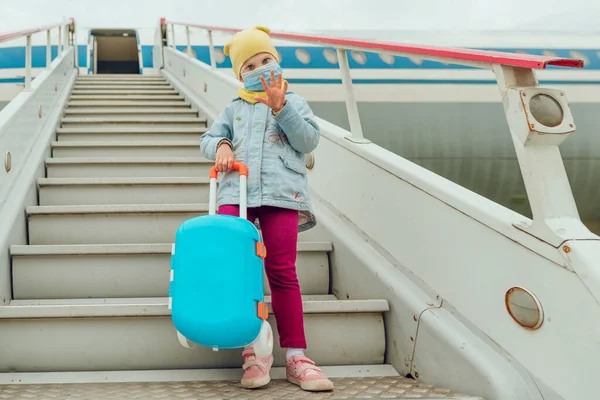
{"x": 237, "y": 166}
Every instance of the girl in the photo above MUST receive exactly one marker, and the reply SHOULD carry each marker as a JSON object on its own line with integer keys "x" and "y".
{"x": 270, "y": 130}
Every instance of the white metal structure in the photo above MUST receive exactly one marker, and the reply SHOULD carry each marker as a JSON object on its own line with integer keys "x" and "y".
{"x": 427, "y": 278}
{"x": 64, "y": 30}
{"x": 395, "y": 94}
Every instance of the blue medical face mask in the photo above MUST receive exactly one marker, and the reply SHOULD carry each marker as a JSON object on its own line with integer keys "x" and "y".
{"x": 252, "y": 79}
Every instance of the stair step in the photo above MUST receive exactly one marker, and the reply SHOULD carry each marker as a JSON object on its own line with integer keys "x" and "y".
{"x": 72, "y": 382}
{"x": 105, "y": 191}
{"x": 135, "y": 334}
{"x": 141, "y": 270}
{"x": 94, "y": 111}
{"x": 124, "y": 97}
{"x": 115, "y": 78}
{"x": 108, "y": 224}
{"x": 180, "y": 103}
{"x": 124, "y": 92}
{"x": 121, "y": 84}
{"x": 351, "y": 382}
{"x": 111, "y": 77}
{"x": 132, "y": 120}
{"x": 127, "y": 134}
{"x": 127, "y": 167}
{"x": 138, "y": 148}
{"x": 120, "y": 87}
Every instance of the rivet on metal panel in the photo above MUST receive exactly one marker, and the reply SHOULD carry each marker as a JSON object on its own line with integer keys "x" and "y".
{"x": 412, "y": 339}
{"x": 416, "y": 374}
{"x": 205, "y": 87}
{"x": 570, "y": 125}
{"x": 7, "y": 161}
{"x": 310, "y": 160}
{"x": 566, "y": 249}
{"x": 523, "y": 94}
{"x": 40, "y": 111}
{"x": 524, "y": 308}
{"x": 532, "y": 126}
{"x": 415, "y": 317}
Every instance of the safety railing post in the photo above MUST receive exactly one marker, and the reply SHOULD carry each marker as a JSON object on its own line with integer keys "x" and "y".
{"x": 211, "y": 49}
{"x": 28, "y": 63}
{"x": 75, "y": 49}
{"x": 351, "y": 105}
{"x": 539, "y": 120}
{"x": 188, "y": 42}
{"x": 48, "y": 48}
{"x": 59, "y": 41}
{"x": 173, "y": 44}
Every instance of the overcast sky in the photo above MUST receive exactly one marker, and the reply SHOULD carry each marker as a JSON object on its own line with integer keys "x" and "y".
{"x": 301, "y": 15}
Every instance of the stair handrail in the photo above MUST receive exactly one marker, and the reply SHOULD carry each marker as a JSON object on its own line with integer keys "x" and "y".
{"x": 485, "y": 59}
{"x": 64, "y": 28}
{"x": 460, "y": 56}
{"x": 555, "y": 216}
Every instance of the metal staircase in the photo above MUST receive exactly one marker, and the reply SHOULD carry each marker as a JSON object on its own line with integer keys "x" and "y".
{"x": 407, "y": 273}
{"x": 90, "y": 289}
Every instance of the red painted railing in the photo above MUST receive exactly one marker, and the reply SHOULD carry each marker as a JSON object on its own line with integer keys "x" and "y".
{"x": 5, "y": 37}
{"x": 479, "y": 58}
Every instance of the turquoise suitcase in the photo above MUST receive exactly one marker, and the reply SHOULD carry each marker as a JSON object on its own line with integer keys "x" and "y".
{"x": 216, "y": 293}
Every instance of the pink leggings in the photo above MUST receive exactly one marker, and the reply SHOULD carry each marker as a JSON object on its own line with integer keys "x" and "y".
{"x": 279, "y": 228}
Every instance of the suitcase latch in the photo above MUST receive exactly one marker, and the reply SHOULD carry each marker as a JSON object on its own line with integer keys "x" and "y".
{"x": 261, "y": 250}
{"x": 263, "y": 310}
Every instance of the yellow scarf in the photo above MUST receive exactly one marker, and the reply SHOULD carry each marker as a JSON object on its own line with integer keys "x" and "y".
{"x": 249, "y": 95}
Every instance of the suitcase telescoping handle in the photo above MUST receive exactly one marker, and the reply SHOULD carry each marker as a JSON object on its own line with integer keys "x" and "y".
{"x": 212, "y": 195}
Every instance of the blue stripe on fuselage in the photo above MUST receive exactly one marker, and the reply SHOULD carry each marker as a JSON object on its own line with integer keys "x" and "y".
{"x": 14, "y": 57}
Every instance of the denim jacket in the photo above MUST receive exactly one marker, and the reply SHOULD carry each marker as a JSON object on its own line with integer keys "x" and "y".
{"x": 273, "y": 148}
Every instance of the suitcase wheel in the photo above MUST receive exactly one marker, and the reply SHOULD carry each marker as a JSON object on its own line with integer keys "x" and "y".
{"x": 263, "y": 345}
{"x": 184, "y": 342}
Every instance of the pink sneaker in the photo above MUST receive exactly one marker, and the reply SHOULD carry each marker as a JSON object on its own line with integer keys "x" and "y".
{"x": 302, "y": 371}
{"x": 256, "y": 369}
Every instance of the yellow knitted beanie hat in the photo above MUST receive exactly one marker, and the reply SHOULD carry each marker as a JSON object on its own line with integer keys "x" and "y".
{"x": 248, "y": 43}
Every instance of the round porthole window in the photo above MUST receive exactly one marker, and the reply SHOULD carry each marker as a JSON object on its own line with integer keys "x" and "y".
{"x": 191, "y": 52}
{"x": 416, "y": 60}
{"x": 524, "y": 308}
{"x": 219, "y": 56}
{"x": 303, "y": 56}
{"x": 330, "y": 56}
{"x": 359, "y": 57}
{"x": 387, "y": 58}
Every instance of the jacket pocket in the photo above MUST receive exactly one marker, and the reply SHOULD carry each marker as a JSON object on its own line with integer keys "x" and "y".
{"x": 294, "y": 165}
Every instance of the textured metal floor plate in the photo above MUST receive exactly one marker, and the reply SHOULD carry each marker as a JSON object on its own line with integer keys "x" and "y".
{"x": 345, "y": 388}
